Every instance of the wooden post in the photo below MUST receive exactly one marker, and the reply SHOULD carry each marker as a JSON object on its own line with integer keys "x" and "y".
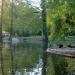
{"x": 45, "y": 35}
{"x": 1, "y": 41}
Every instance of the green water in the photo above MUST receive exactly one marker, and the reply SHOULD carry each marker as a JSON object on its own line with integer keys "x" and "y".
{"x": 25, "y": 56}
{"x": 28, "y": 55}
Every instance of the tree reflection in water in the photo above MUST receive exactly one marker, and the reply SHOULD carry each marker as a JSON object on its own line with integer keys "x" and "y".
{"x": 27, "y": 58}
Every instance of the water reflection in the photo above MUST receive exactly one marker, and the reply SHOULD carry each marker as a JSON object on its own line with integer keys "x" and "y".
{"x": 27, "y": 58}
{"x": 34, "y": 72}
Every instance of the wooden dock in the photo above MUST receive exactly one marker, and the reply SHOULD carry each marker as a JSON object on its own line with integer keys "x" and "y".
{"x": 68, "y": 52}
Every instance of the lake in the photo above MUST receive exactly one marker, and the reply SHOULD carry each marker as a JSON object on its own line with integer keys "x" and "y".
{"x": 25, "y": 58}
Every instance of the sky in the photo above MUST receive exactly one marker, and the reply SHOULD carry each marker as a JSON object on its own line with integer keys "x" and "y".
{"x": 36, "y": 3}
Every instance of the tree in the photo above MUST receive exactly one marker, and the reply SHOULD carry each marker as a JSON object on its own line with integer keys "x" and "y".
{"x": 24, "y": 19}
{"x": 64, "y": 9}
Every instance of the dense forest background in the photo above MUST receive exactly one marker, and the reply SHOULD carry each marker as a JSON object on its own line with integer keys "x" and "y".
{"x": 27, "y": 19}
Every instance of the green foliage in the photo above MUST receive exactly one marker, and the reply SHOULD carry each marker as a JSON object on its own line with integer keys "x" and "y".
{"x": 6, "y": 15}
{"x": 25, "y": 21}
{"x": 56, "y": 29}
{"x": 60, "y": 15}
